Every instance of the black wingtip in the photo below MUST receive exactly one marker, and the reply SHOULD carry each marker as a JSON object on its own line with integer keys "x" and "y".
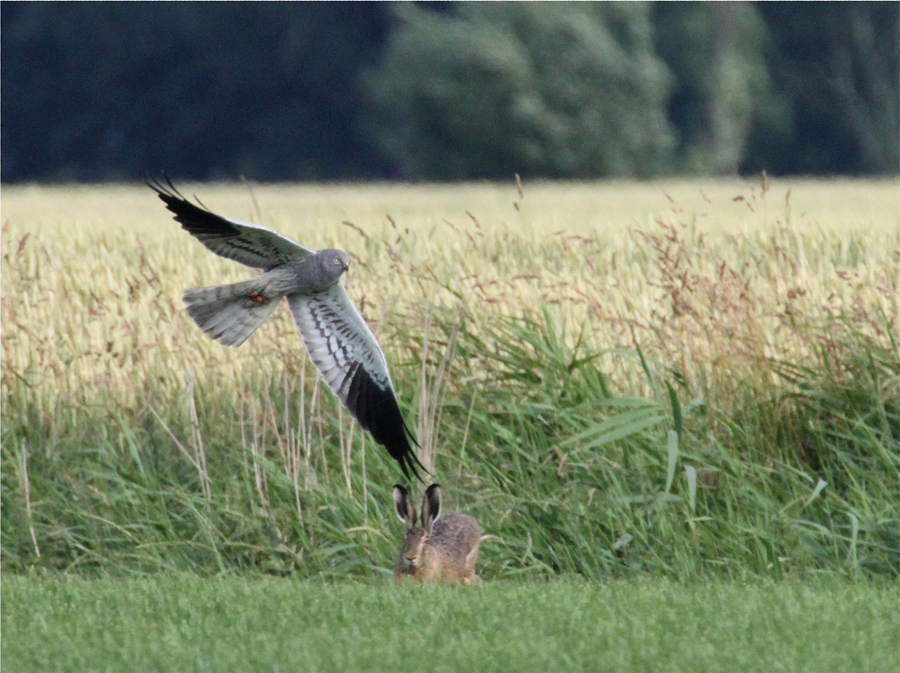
{"x": 164, "y": 188}
{"x": 198, "y": 220}
{"x": 377, "y": 411}
{"x": 407, "y": 459}
{"x": 168, "y": 193}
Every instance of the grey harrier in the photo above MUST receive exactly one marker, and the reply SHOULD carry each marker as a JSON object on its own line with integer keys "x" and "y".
{"x": 338, "y": 340}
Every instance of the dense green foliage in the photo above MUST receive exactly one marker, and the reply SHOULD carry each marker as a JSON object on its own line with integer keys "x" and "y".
{"x": 325, "y": 91}
{"x": 495, "y": 89}
{"x": 113, "y": 91}
{"x": 186, "y": 624}
{"x": 835, "y": 66}
{"x": 722, "y": 87}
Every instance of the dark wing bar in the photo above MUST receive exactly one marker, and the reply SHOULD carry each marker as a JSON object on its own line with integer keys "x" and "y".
{"x": 249, "y": 244}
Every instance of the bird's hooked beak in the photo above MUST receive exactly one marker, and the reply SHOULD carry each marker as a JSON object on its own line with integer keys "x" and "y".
{"x": 346, "y": 265}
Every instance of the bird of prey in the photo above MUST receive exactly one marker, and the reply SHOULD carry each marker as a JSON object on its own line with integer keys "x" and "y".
{"x": 338, "y": 340}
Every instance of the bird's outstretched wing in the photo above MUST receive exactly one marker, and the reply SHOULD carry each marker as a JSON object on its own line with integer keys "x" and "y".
{"x": 243, "y": 242}
{"x": 347, "y": 355}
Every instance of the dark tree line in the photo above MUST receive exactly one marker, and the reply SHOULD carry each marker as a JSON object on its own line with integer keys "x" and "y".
{"x": 328, "y": 91}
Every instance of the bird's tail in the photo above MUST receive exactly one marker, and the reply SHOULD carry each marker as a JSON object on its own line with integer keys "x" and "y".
{"x": 230, "y": 313}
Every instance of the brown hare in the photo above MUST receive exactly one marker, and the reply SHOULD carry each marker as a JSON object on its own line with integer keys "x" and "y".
{"x": 444, "y": 548}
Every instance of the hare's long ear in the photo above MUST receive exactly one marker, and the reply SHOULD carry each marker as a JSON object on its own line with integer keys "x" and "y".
{"x": 431, "y": 506}
{"x": 404, "y": 506}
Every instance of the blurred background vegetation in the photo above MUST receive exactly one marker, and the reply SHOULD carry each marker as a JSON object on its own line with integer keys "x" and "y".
{"x": 435, "y": 91}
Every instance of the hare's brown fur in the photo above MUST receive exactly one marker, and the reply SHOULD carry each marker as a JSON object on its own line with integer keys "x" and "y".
{"x": 444, "y": 548}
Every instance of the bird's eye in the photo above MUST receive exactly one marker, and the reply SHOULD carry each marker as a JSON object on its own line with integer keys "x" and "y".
{"x": 337, "y": 260}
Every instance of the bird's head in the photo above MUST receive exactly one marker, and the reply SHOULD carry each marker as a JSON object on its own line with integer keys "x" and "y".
{"x": 332, "y": 263}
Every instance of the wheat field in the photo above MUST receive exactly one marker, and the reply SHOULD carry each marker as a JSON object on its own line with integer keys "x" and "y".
{"x": 488, "y": 299}
{"x": 92, "y": 276}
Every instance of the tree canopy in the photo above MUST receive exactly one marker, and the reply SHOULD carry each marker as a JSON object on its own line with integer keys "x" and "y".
{"x": 431, "y": 91}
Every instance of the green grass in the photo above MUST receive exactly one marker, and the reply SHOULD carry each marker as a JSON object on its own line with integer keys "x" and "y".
{"x": 565, "y": 475}
{"x": 268, "y": 624}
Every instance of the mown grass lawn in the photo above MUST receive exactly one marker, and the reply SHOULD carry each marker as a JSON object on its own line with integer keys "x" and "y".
{"x": 263, "y": 624}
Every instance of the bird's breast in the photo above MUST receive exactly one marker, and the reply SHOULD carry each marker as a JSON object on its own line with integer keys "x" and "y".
{"x": 306, "y": 277}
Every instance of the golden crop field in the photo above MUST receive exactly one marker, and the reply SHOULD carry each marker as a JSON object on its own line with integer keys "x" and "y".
{"x": 711, "y": 274}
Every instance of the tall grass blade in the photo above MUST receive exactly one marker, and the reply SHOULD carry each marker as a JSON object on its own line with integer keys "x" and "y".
{"x": 671, "y": 458}
{"x": 690, "y": 473}
{"x": 620, "y": 426}
{"x": 820, "y": 486}
{"x": 676, "y": 410}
